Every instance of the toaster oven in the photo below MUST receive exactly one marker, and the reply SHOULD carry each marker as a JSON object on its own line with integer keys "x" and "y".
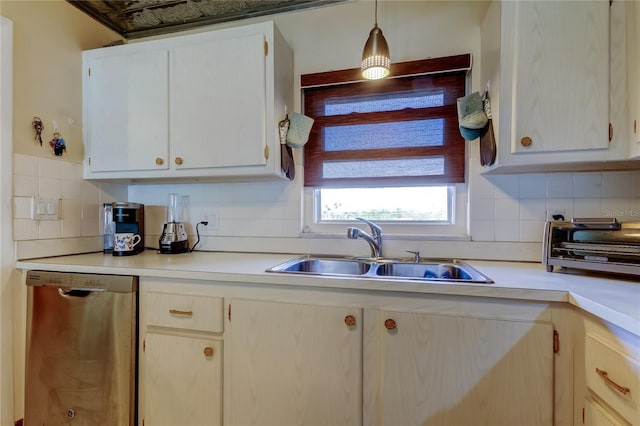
{"x": 600, "y": 244}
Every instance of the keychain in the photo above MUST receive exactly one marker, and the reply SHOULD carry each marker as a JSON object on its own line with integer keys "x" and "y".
{"x": 38, "y": 127}
{"x": 57, "y": 144}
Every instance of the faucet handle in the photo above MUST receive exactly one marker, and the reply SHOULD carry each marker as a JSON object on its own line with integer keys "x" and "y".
{"x": 375, "y": 229}
{"x": 416, "y": 255}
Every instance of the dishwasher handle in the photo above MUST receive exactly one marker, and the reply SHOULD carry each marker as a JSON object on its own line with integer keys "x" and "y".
{"x": 74, "y": 292}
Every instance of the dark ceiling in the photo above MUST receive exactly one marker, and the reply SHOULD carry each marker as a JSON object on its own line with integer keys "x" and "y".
{"x": 142, "y": 18}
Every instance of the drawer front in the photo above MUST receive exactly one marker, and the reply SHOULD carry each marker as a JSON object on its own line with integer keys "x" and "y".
{"x": 614, "y": 377}
{"x": 188, "y": 312}
{"x": 595, "y": 415}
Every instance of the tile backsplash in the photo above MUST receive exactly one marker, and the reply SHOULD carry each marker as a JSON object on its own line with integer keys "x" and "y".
{"x": 52, "y": 178}
{"x": 502, "y": 208}
{"x": 514, "y": 207}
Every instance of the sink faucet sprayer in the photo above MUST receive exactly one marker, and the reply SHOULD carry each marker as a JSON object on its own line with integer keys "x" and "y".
{"x": 374, "y": 240}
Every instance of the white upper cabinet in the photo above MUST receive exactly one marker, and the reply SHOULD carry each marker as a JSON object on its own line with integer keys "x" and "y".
{"x": 218, "y": 98}
{"x": 195, "y": 107}
{"x": 126, "y": 110}
{"x": 548, "y": 69}
{"x": 633, "y": 73}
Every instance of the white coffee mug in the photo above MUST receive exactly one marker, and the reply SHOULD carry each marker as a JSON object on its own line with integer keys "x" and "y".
{"x": 125, "y": 241}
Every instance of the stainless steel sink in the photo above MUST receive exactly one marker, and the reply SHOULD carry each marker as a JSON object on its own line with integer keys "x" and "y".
{"x": 323, "y": 266}
{"x": 426, "y": 270}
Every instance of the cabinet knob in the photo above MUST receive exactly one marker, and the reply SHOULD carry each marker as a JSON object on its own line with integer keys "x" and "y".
{"x": 159, "y": 161}
{"x": 390, "y": 324}
{"x": 526, "y": 141}
{"x": 350, "y": 320}
{"x": 178, "y": 161}
{"x": 208, "y": 351}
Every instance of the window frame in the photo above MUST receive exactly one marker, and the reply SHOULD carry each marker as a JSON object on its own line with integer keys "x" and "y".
{"x": 458, "y": 191}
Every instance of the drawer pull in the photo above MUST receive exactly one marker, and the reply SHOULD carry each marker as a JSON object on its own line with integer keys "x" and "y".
{"x": 622, "y": 389}
{"x": 208, "y": 351}
{"x": 181, "y": 313}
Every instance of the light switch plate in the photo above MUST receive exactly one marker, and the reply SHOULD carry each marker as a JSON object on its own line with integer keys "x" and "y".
{"x": 45, "y": 208}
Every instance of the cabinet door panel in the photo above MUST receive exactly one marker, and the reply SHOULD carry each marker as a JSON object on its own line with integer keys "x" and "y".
{"x": 183, "y": 381}
{"x": 595, "y": 415}
{"x": 633, "y": 73}
{"x": 560, "y": 75}
{"x": 449, "y": 370}
{"x": 127, "y": 112}
{"x": 294, "y": 364}
{"x": 218, "y": 101}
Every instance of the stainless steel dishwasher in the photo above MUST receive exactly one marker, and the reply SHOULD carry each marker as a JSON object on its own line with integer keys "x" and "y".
{"x": 81, "y": 349}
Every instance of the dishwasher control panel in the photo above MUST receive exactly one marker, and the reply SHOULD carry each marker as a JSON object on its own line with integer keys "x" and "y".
{"x": 81, "y": 281}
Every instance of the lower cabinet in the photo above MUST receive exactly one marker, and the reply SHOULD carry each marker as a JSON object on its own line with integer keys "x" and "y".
{"x": 596, "y": 415}
{"x": 180, "y": 375}
{"x": 183, "y": 381}
{"x": 608, "y": 374}
{"x": 303, "y": 356}
{"x": 294, "y": 364}
{"x": 425, "y": 369}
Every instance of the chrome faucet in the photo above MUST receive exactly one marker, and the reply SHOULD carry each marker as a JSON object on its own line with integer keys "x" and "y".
{"x": 374, "y": 240}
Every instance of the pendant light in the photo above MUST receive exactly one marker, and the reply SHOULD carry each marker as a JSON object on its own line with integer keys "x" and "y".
{"x": 375, "y": 55}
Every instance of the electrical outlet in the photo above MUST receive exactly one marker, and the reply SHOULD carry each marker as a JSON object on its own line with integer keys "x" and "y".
{"x": 555, "y": 212}
{"x": 213, "y": 219}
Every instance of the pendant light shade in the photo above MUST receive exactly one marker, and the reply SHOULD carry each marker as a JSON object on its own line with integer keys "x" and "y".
{"x": 376, "y": 61}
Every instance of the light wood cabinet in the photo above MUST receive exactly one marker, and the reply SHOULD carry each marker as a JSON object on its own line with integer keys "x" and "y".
{"x": 552, "y": 87}
{"x": 194, "y": 107}
{"x": 596, "y": 415}
{"x": 183, "y": 381}
{"x": 181, "y": 352}
{"x": 607, "y": 373}
{"x": 426, "y": 369}
{"x": 316, "y": 356}
{"x": 294, "y": 364}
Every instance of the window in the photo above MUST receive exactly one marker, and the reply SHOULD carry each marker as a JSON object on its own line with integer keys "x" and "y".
{"x": 387, "y": 150}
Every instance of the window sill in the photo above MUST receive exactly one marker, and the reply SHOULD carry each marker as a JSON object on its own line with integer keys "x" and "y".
{"x": 399, "y": 237}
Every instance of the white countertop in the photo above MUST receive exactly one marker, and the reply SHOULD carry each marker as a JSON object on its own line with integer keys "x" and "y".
{"x": 616, "y": 299}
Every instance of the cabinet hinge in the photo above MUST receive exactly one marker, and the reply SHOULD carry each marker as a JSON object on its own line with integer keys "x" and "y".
{"x": 266, "y": 152}
{"x": 229, "y": 312}
{"x": 610, "y": 132}
{"x": 266, "y": 48}
{"x": 556, "y": 342}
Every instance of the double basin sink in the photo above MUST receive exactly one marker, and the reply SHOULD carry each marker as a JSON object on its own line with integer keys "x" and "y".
{"x": 426, "y": 270}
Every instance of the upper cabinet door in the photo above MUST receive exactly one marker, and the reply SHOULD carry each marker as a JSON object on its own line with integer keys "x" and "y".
{"x": 218, "y": 103}
{"x": 633, "y": 73}
{"x": 560, "y": 74}
{"x": 126, "y": 112}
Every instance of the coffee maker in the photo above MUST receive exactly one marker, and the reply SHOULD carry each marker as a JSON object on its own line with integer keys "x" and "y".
{"x": 174, "y": 235}
{"x": 129, "y": 218}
